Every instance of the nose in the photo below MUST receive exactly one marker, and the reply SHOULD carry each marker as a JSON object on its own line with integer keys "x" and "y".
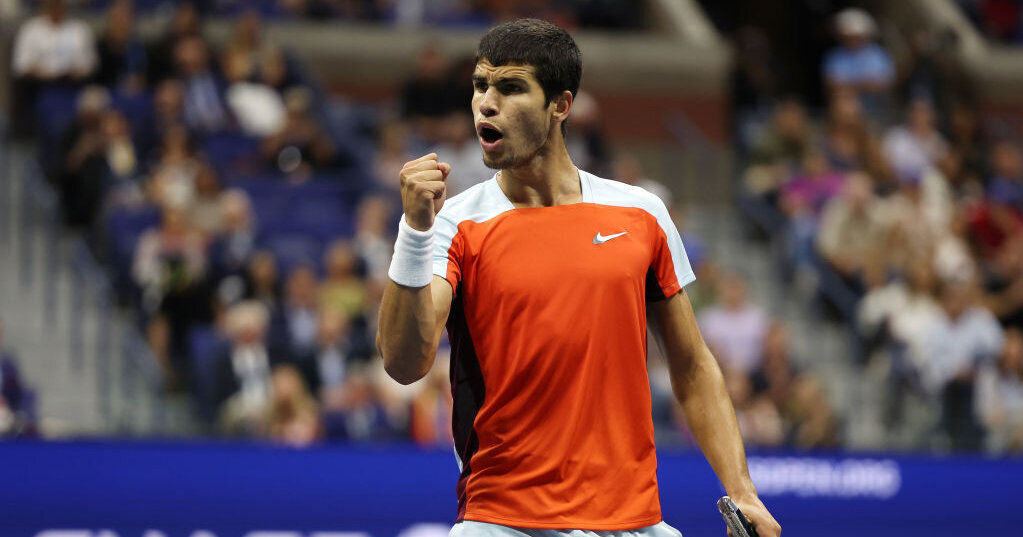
{"x": 488, "y": 105}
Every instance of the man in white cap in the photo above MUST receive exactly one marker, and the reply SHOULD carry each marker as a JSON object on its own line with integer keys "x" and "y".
{"x": 858, "y": 63}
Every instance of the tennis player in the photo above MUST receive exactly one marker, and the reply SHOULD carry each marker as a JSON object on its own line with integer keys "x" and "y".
{"x": 542, "y": 275}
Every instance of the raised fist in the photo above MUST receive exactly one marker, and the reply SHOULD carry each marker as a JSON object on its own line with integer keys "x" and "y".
{"x": 422, "y": 190}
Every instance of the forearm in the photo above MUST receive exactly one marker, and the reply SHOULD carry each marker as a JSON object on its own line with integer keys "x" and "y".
{"x": 711, "y": 418}
{"x": 406, "y": 332}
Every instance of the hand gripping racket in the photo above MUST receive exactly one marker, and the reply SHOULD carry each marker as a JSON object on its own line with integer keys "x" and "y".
{"x": 737, "y": 522}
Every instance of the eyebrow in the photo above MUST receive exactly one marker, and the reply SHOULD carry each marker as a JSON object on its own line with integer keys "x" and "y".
{"x": 504, "y": 79}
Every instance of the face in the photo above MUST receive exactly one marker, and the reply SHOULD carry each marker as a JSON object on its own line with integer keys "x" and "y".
{"x": 512, "y": 122}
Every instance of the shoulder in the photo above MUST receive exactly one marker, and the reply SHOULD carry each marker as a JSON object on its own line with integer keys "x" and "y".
{"x": 478, "y": 203}
{"x": 619, "y": 194}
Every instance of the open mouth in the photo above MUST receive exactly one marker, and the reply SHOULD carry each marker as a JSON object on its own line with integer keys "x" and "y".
{"x": 490, "y": 135}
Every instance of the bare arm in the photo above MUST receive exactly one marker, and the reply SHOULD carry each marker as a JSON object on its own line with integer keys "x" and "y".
{"x": 411, "y": 324}
{"x": 412, "y": 318}
{"x": 700, "y": 388}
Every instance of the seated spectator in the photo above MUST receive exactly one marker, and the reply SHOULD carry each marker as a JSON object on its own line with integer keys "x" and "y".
{"x": 243, "y": 389}
{"x": 326, "y": 361}
{"x": 857, "y": 63}
{"x": 168, "y": 113}
{"x": 49, "y": 49}
{"x": 261, "y": 280}
{"x": 122, "y": 55}
{"x": 297, "y": 317}
{"x": 373, "y": 238}
{"x": 629, "y": 171}
{"x": 1006, "y": 183}
{"x": 233, "y": 247}
{"x": 80, "y": 178}
{"x": 205, "y": 108}
{"x": 852, "y": 229}
{"x": 585, "y": 139}
{"x": 849, "y": 143}
{"x": 780, "y": 147}
{"x": 245, "y": 46}
{"x": 173, "y": 174}
{"x": 343, "y": 290}
{"x": 258, "y": 107}
{"x": 776, "y": 376}
{"x": 15, "y": 414}
{"x": 759, "y": 420}
{"x": 803, "y": 200}
{"x": 185, "y": 23}
{"x": 169, "y": 266}
{"x": 1000, "y": 396}
{"x": 429, "y": 95}
{"x": 814, "y": 420}
{"x": 430, "y": 416}
{"x": 302, "y": 144}
{"x": 459, "y": 147}
{"x": 206, "y": 209}
{"x": 356, "y": 414}
{"x": 292, "y": 416}
{"x": 392, "y": 154}
{"x": 965, "y": 338}
{"x": 915, "y": 148}
{"x": 734, "y": 328}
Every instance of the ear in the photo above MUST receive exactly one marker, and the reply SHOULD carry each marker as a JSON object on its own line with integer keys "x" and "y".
{"x": 562, "y": 106}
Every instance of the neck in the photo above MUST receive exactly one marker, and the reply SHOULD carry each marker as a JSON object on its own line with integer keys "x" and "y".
{"x": 548, "y": 179}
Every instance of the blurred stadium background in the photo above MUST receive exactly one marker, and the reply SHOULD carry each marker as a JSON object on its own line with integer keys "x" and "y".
{"x": 197, "y": 203}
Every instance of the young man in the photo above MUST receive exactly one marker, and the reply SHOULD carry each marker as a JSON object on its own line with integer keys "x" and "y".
{"x": 542, "y": 276}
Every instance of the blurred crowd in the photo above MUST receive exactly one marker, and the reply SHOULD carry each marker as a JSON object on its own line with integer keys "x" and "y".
{"x": 245, "y": 223}
{"x": 901, "y": 208}
{"x": 603, "y": 14}
{"x": 1000, "y": 20}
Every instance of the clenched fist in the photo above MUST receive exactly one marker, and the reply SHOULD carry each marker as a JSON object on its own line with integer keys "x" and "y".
{"x": 422, "y": 190}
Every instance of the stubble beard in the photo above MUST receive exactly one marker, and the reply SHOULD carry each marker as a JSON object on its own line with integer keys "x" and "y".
{"x": 538, "y": 139}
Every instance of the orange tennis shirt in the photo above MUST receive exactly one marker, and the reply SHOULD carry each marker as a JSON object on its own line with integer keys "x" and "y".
{"x": 552, "y": 413}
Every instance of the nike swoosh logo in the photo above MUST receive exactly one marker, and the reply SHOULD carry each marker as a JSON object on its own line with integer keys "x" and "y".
{"x": 601, "y": 239}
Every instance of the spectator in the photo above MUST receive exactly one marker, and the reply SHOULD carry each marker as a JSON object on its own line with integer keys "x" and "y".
{"x": 815, "y": 423}
{"x": 392, "y": 154}
{"x": 1006, "y": 184}
{"x": 258, "y": 107}
{"x": 629, "y": 171}
{"x": 51, "y": 47}
{"x": 245, "y": 47}
{"x": 261, "y": 283}
{"x": 301, "y": 145}
{"x": 298, "y": 315}
{"x": 356, "y": 414}
{"x": 122, "y": 55}
{"x": 169, "y": 265}
{"x": 206, "y": 210}
{"x": 327, "y": 360}
{"x": 849, "y": 143}
{"x": 205, "y": 109}
{"x": 430, "y": 417}
{"x": 173, "y": 175}
{"x": 459, "y": 147}
{"x": 915, "y": 148}
{"x": 234, "y": 245}
{"x": 343, "y": 290}
{"x": 428, "y": 96}
{"x": 857, "y": 63}
{"x": 1000, "y": 396}
{"x": 373, "y": 240}
{"x": 184, "y": 24}
{"x": 292, "y": 416}
{"x": 84, "y": 146}
{"x": 780, "y": 147}
{"x": 758, "y": 418}
{"x": 274, "y": 71}
{"x": 803, "y": 200}
{"x": 735, "y": 328}
{"x": 585, "y": 139}
{"x": 963, "y": 339}
{"x": 243, "y": 370}
{"x": 776, "y": 376}
{"x": 852, "y": 230}
{"x": 168, "y": 113}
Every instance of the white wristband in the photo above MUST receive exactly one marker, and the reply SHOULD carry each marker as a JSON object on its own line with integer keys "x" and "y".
{"x": 412, "y": 264}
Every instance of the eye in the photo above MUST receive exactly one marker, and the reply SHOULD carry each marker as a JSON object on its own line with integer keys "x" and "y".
{"x": 480, "y": 85}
